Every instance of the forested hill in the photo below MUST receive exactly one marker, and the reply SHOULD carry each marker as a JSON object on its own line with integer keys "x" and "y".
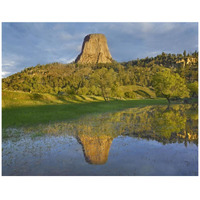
{"x": 184, "y": 64}
{"x": 105, "y": 80}
{"x": 167, "y": 60}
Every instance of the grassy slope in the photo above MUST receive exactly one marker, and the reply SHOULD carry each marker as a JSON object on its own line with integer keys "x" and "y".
{"x": 18, "y": 99}
{"x": 140, "y": 92}
{"x": 32, "y": 115}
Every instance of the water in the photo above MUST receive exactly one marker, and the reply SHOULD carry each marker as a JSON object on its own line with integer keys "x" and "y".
{"x": 151, "y": 140}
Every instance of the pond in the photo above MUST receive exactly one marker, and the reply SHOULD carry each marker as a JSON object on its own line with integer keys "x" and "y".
{"x": 142, "y": 141}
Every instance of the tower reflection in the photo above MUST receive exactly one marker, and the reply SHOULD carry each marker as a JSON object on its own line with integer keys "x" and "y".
{"x": 96, "y": 148}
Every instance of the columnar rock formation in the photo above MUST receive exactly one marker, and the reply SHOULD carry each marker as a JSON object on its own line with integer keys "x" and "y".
{"x": 94, "y": 50}
{"x": 96, "y": 148}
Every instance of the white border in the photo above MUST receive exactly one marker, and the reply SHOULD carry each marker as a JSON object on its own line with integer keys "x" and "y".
{"x": 99, "y": 187}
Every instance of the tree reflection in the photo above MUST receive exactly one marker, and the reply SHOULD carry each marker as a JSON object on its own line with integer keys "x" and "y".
{"x": 95, "y": 133}
{"x": 166, "y": 125}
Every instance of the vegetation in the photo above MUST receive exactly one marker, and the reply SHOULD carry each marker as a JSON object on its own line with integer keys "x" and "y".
{"x": 32, "y": 115}
{"x": 179, "y": 123}
{"x": 193, "y": 88}
{"x": 17, "y": 99}
{"x": 166, "y": 75}
{"x": 185, "y": 66}
{"x": 168, "y": 85}
{"x": 106, "y": 80}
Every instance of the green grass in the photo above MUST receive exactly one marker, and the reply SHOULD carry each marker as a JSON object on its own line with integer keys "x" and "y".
{"x": 140, "y": 91}
{"x": 17, "y": 98}
{"x": 21, "y": 116}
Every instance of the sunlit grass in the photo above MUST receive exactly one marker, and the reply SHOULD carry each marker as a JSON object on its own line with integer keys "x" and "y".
{"x": 139, "y": 91}
{"x": 17, "y": 98}
{"x": 19, "y": 116}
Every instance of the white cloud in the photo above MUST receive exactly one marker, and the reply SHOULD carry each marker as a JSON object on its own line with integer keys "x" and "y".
{"x": 66, "y": 36}
{"x": 146, "y": 27}
{"x": 9, "y": 63}
{"x": 4, "y": 74}
{"x": 66, "y": 60}
{"x": 27, "y": 44}
{"x": 11, "y": 60}
{"x": 153, "y": 53}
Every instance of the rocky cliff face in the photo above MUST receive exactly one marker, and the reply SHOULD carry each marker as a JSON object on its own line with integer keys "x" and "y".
{"x": 94, "y": 50}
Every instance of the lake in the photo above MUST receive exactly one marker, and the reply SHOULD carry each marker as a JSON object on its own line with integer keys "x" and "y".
{"x": 142, "y": 141}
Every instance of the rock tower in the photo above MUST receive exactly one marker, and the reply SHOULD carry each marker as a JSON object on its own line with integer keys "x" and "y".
{"x": 94, "y": 50}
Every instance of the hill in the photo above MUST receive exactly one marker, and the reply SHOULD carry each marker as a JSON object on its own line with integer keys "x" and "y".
{"x": 131, "y": 79}
{"x": 185, "y": 65}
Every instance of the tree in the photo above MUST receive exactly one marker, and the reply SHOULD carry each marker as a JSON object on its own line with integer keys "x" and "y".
{"x": 105, "y": 79}
{"x": 195, "y": 54}
{"x": 168, "y": 84}
{"x": 79, "y": 77}
{"x": 184, "y": 53}
{"x": 193, "y": 87}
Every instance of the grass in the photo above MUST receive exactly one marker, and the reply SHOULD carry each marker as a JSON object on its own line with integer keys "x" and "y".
{"x": 20, "y": 116}
{"x": 139, "y": 91}
{"x": 17, "y": 98}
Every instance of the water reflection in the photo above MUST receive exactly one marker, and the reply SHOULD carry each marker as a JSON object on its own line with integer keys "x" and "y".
{"x": 151, "y": 140}
{"x": 160, "y": 123}
{"x": 95, "y": 133}
{"x": 96, "y": 148}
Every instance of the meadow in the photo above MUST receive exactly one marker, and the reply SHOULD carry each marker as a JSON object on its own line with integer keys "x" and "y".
{"x": 25, "y": 109}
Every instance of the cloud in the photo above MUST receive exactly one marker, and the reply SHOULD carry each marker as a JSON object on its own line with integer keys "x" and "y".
{"x": 29, "y": 44}
{"x": 66, "y": 36}
{"x": 153, "y": 54}
{"x": 66, "y": 60}
{"x": 9, "y": 63}
{"x": 5, "y": 74}
{"x": 11, "y": 60}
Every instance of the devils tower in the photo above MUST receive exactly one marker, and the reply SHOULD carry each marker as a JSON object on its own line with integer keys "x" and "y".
{"x": 94, "y": 50}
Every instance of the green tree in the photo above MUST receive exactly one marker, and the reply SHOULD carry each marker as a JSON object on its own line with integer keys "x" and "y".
{"x": 168, "y": 84}
{"x": 78, "y": 78}
{"x": 193, "y": 87}
{"x": 105, "y": 79}
{"x": 184, "y": 53}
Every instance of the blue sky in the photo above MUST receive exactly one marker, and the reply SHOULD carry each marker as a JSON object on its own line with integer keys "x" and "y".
{"x": 29, "y": 44}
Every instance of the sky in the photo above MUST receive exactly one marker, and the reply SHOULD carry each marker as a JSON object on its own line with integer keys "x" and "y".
{"x": 28, "y": 44}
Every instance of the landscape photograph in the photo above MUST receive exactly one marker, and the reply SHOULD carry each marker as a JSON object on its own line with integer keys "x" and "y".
{"x": 99, "y": 98}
